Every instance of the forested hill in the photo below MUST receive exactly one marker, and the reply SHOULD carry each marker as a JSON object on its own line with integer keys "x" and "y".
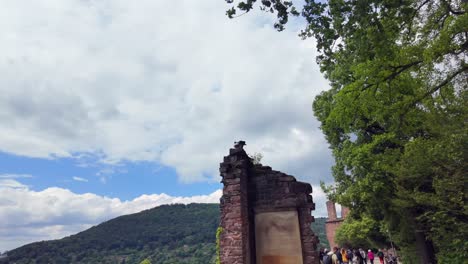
{"x": 319, "y": 229}
{"x": 165, "y": 234}
{"x": 168, "y": 234}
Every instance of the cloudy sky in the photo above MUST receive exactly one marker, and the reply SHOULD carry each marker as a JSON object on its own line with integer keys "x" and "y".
{"x": 109, "y": 107}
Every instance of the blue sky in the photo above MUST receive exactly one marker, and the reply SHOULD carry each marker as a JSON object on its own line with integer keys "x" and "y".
{"x": 127, "y": 180}
{"x": 110, "y": 107}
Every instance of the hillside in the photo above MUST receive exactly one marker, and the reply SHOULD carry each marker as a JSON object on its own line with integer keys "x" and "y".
{"x": 168, "y": 234}
{"x": 165, "y": 234}
{"x": 319, "y": 229}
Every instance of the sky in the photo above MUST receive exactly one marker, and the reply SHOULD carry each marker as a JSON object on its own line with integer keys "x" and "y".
{"x": 110, "y": 107}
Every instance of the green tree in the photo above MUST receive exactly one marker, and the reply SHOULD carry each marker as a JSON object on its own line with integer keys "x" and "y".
{"x": 145, "y": 261}
{"x": 396, "y": 114}
{"x": 357, "y": 233}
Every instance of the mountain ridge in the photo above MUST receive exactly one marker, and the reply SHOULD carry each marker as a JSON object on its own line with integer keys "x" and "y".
{"x": 164, "y": 234}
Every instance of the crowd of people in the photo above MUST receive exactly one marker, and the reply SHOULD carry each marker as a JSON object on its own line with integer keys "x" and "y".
{"x": 355, "y": 256}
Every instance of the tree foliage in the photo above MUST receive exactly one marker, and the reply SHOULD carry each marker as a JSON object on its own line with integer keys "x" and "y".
{"x": 318, "y": 226}
{"x": 145, "y": 261}
{"x": 165, "y": 234}
{"x": 357, "y": 233}
{"x": 396, "y": 114}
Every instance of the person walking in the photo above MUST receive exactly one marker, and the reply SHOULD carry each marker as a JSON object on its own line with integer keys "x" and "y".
{"x": 331, "y": 257}
{"x": 322, "y": 254}
{"x": 357, "y": 259}
{"x": 370, "y": 256}
{"x": 392, "y": 259}
{"x": 363, "y": 256}
{"x": 344, "y": 256}
{"x": 339, "y": 256}
{"x": 381, "y": 255}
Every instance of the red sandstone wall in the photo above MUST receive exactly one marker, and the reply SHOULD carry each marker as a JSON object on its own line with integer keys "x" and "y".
{"x": 333, "y": 222}
{"x": 331, "y": 210}
{"x": 250, "y": 189}
{"x": 235, "y": 238}
{"x": 331, "y": 228}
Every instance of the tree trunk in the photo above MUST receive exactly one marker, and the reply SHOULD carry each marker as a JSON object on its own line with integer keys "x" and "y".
{"x": 425, "y": 248}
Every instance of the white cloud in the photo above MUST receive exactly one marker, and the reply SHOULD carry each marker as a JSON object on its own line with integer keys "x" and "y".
{"x": 80, "y": 179}
{"x": 14, "y": 176}
{"x": 29, "y": 216}
{"x": 320, "y": 199}
{"x": 10, "y": 183}
{"x": 174, "y": 82}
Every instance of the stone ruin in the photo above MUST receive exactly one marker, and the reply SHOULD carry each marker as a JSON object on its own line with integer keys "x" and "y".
{"x": 265, "y": 214}
{"x": 333, "y": 222}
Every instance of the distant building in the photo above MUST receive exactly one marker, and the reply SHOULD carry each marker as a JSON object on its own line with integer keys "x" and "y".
{"x": 333, "y": 222}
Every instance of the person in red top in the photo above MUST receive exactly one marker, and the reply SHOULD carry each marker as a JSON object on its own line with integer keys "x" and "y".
{"x": 370, "y": 256}
{"x": 381, "y": 255}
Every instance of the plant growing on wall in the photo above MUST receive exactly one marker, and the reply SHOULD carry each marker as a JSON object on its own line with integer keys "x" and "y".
{"x": 218, "y": 236}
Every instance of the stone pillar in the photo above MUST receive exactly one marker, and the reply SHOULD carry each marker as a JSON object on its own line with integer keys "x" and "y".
{"x": 235, "y": 238}
{"x": 344, "y": 212}
{"x": 331, "y": 210}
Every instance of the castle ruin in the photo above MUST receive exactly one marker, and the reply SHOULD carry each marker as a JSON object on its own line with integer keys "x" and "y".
{"x": 334, "y": 222}
{"x": 265, "y": 214}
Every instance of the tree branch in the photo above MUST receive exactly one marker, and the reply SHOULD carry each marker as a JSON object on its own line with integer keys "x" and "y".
{"x": 440, "y": 85}
{"x": 400, "y": 69}
{"x": 449, "y": 78}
